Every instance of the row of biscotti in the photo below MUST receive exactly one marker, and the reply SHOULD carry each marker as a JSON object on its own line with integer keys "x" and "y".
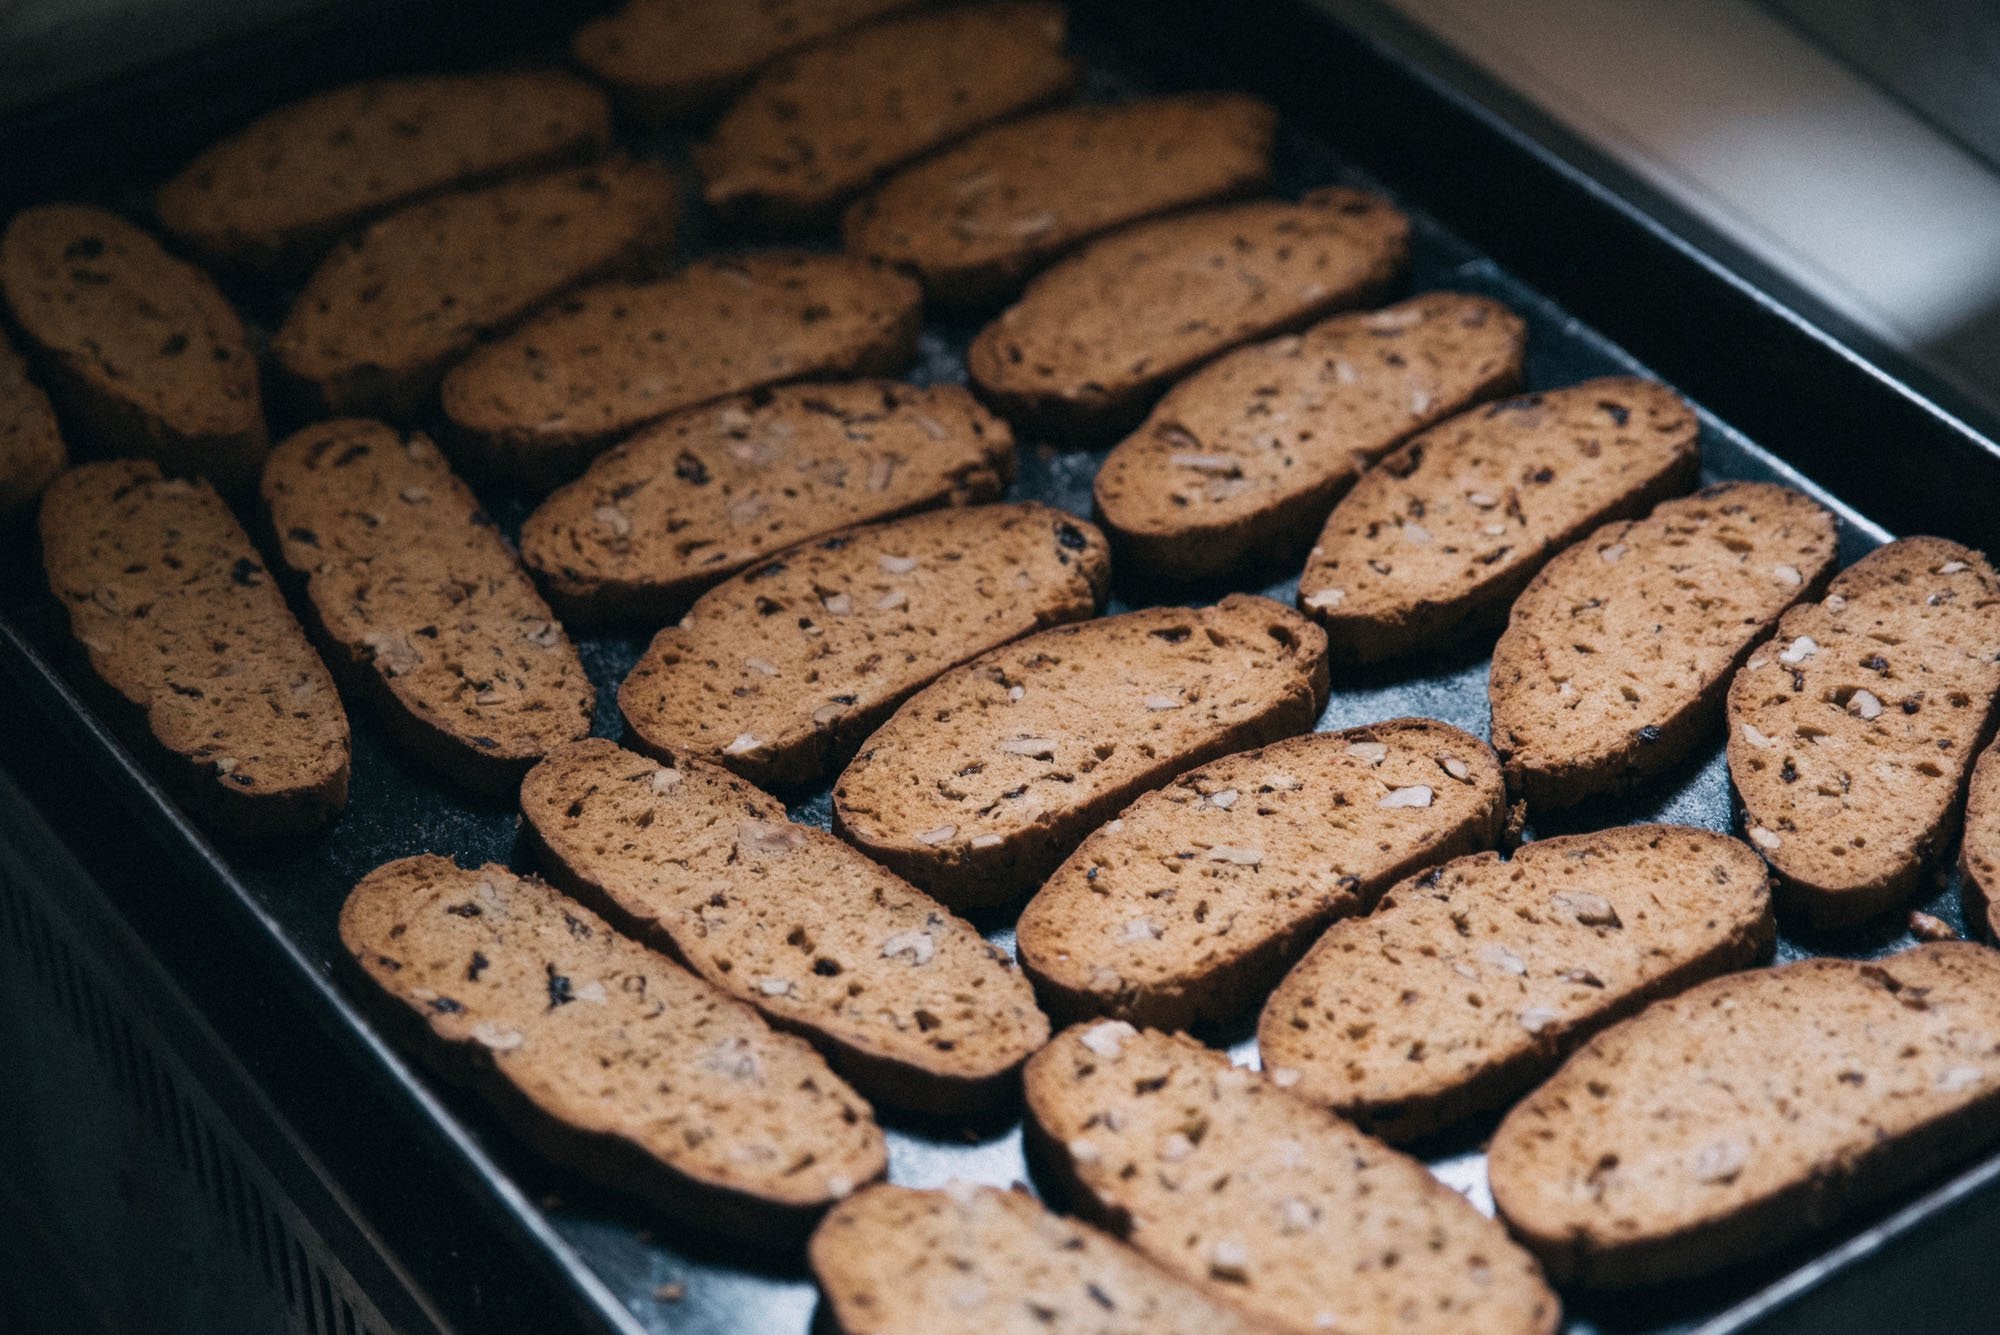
{"x": 617, "y": 1060}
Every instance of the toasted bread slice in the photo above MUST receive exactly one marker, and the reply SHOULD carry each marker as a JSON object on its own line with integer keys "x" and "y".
{"x": 781, "y": 673}
{"x": 817, "y": 128}
{"x": 1272, "y": 1205}
{"x": 701, "y": 496}
{"x": 907, "y": 1001}
{"x": 1471, "y": 981}
{"x": 1439, "y": 538}
{"x": 1196, "y": 899}
{"x": 606, "y": 1055}
{"x": 1852, "y": 730}
{"x": 31, "y": 445}
{"x": 986, "y": 779}
{"x": 274, "y": 195}
{"x": 1617, "y": 656}
{"x": 1094, "y": 340}
{"x": 179, "y": 617}
{"x": 1751, "y": 1111}
{"x": 421, "y": 601}
{"x": 538, "y": 405}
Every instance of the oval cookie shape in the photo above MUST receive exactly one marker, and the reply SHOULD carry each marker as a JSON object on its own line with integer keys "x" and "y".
{"x": 140, "y": 351}
{"x": 286, "y": 186}
{"x": 909, "y": 1002}
{"x": 1240, "y": 463}
{"x": 1726, "y": 1122}
{"x": 673, "y": 60}
{"x": 698, "y": 497}
{"x": 1095, "y": 339}
{"x": 422, "y": 599}
{"x": 1443, "y": 534}
{"x": 384, "y": 314}
{"x": 781, "y": 673}
{"x": 1195, "y": 900}
{"x": 1282, "y": 1209}
{"x": 31, "y": 446}
{"x": 1851, "y": 730}
{"x": 1617, "y": 656}
{"x": 876, "y": 1254}
{"x": 607, "y": 1054}
{"x": 1469, "y": 982}
{"x": 179, "y": 616}
{"x": 816, "y": 128}
{"x": 986, "y": 779}
{"x": 537, "y": 405}
{"x": 976, "y": 220}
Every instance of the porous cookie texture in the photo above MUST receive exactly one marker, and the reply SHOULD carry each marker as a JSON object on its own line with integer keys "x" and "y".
{"x": 31, "y": 445}
{"x": 1277, "y": 1207}
{"x": 139, "y": 350}
{"x": 818, "y": 127}
{"x": 674, "y": 60}
{"x": 1442, "y": 535}
{"x": 1194, "y": 901}
{"x": 976, "y": 220}
{"x": 1095, "y": 339}
{"x": 782, "y": 672}
{"x": 1617, "y": 656}
{"x": 278, "y": 192}
{"x": 1979, "y": 855}
{"x": 536, "y": 406}
{"x": 973, "y": 1260}
{"x": 1471, "y": 981}
{"x": 1240, "y": 462}
{"x": 178, "y": 615}
{"x": 1751, "y": 1111}
{"x": 698, "y": 497}
{"x": 385, "y": 313}
{"x": 986, "y": 779}
{"x": 606, "y": 1055}
{"x": 417, "y": 594}
{"x": 1852, "y": 729}
{"x": 908, "y": 1001}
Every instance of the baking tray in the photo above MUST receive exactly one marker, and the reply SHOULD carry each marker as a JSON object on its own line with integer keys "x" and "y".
{"x": 1542, "y": 233}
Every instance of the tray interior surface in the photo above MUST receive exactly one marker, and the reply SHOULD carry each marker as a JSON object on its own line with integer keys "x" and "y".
{"x": 661, "y": 1277}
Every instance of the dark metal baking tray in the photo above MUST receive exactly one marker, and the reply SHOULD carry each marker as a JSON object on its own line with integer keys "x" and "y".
{"x": 440, "y": 1187}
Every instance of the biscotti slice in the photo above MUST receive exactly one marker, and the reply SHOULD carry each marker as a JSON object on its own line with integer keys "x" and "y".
{"x": 1441, "y": 536}
{"x": 1724, "y": 1123}
{"x": 605, "y": 1054}
{"x": 709, "y": 491}
{"x": 536, "y": 406}
{"x": 1851, "y": 730}
{"x": 1471, "y": 981}
{"x": 278, "y": 192}
{"x": 973, "y": 1260}
{"x": 1240, "y": 463}
{"x": 976, "y": 220}
{"x": 386, "y": 313}
{"x": 1095, "y": 339}
{"x": 1617, "y": 656}
{"x": 420, "y": 597}
{"x": 673, "y": 60}
{"x": 986, "y": 779}
{"x": 180, "y": 618}
{"x": 816, "y": 129}
{"x": 1979, "y": 855}
{"x": 31, "y": 446}
{"x": 909, "y": 1002}
{"x": 1277, "y": 1207}
{"x": 782, "y": 672}
{"x": 140, "y": 352}
{"x": 1196, "y": 899}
